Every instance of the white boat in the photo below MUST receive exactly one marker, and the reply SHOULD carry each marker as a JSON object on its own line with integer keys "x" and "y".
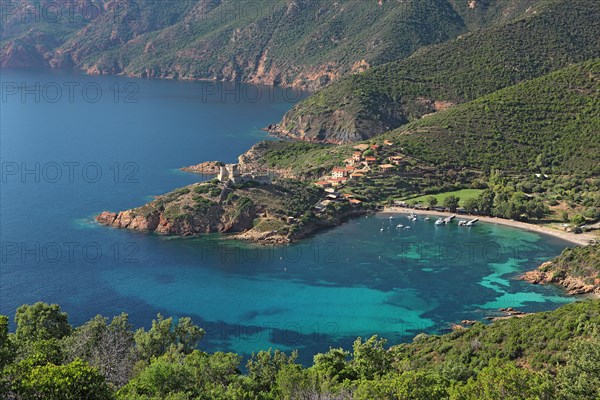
{"x": 400, "y": 226}
{"x": 407, "y": 227}
{"x": 427, "y": 219}
{"x": 440, "y": 221}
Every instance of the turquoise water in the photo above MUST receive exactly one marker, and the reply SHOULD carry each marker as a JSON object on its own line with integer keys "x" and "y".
{"x": 365, "y": 277}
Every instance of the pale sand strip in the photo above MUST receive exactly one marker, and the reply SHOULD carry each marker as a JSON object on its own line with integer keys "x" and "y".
{"x": 579, "y": 239}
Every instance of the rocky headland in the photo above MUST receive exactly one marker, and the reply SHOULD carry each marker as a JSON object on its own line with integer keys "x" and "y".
{"x": 576, "y": 269}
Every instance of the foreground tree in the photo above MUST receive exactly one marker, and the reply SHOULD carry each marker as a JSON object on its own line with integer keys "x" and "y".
{"x": 580, "y": 378}
{"x": 503, "y": 380}
{"x": 107, "y": 347}
{"x": 164, "y": 334}
{"x": 41, "y": 321}
{"x": 74, "y": 381}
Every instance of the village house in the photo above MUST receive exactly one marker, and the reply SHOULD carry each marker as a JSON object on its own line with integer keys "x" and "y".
{"x": 361, "y": 147}
{"x": 323, "y": 184}
{"x": 339, "y": 172}
{"x": 388, "y": 143}
{"x": 370, "y": 160}
{"x": 386, "y": 167}
{"x": 396, "y": 160}
{"x": 337, "y": 181}
{"x": 357, "y": 156}
{"x": 374, "y": 147}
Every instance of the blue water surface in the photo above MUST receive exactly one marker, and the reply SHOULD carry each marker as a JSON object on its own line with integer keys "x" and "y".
{"x": 67, "y": 156}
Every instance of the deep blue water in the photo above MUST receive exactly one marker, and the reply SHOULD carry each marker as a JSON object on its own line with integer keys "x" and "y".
{"x": 66, "y": 157}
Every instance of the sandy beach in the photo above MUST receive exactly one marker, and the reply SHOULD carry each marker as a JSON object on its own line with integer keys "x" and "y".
{"x": 582, "y": 239}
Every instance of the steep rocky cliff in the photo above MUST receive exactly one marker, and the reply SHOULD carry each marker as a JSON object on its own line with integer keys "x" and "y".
{"x": 301, "y": 43}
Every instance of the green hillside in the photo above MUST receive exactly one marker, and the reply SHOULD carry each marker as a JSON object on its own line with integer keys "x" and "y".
{"x": 302, "y": 43}
{"x": 463, "y": 69}
{"x": 550, "y": 123}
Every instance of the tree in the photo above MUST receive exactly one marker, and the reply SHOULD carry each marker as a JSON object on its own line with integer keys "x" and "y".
{"x": 452, "y": 202}
{"x": 41, "y": 321}
{"x": 578, "y": 219}
{"x": 7, "y": 348}
{"x": 370, "y": 357}
{"x": 502, "y": 380}
{"x": 164, "y": 334}
{"x": 485, "y": 202}
{"x": 432, "y": 201}
{"x": 369, "y": 153}
{"x": 580, "y": 378}
{"x": 334, "y": 365}
{"x": 408, "y": 385}
{"x": 107, "y": 347}
{"x": 536, "y": 209}
{"x": 471, "y": 206}
{"x": 74, "y": 381}
{"x": 197, "y": 375}
{"x": 264, "y": 366}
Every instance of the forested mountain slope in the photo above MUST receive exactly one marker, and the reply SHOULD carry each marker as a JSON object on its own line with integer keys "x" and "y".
{"x": 550, "y": 123}
{"x": 304, "y": 43}
{"x": 463, "y": 69}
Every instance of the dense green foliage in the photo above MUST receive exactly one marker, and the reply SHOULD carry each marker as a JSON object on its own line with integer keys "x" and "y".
{"x": 383, "y": 98}
{"x": 549, "y": 124}
{"x": 550, "y": 355}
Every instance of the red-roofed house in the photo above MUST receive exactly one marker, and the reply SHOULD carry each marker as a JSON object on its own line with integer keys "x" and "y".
{"x": 338, "y": 181}
{"x": 339, "y": 172}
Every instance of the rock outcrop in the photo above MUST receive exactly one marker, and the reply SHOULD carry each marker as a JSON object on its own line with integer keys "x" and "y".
{"x": 546, "y": 274}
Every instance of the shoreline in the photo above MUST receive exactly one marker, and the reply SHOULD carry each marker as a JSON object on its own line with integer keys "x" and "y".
{"x": 581, "y": 239}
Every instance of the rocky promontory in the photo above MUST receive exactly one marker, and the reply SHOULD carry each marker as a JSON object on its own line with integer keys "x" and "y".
{"x": 272, "y": 214}
{"x": 206, "y": 168}
{"x": 576, "y": 269}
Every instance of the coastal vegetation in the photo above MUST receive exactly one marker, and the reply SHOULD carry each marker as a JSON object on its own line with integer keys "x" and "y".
{"x": 383, "y": 98}
{"x": 301, "y": 43}
{"x": 549, "y": 355}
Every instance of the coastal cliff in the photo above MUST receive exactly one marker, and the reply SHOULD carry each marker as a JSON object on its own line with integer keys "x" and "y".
{"x": 576, "y": 269}
{"x": 278, "y": 213}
